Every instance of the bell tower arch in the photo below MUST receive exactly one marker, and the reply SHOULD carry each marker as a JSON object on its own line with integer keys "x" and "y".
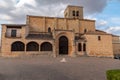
{"x": 73, "y": 12}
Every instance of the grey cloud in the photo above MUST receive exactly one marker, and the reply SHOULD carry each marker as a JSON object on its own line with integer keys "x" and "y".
{"x": 50, "y": 8}
{"x": 49, "y": 2}
{"x": 9, "y": 6}
{"x": 94, "y": 6}
{"x": 91, "y": 6}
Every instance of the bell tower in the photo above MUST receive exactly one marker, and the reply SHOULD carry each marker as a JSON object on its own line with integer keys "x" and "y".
{"x": 73, "y": 12}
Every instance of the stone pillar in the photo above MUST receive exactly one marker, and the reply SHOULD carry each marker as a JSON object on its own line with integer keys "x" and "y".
{"x": 67, "y": 28}
{"x": 54, "y": 49}
{"x": 75, "y": 53}
{"x": 56, "y": 23}
{"x": 45, "y": 27}
{"x": 84, "y": 52}
{"x": 74, "y": 49}
{"x": 25, "y": 49}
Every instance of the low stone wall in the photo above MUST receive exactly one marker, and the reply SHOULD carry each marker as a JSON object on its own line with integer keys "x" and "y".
{"x": 28, "y": 53}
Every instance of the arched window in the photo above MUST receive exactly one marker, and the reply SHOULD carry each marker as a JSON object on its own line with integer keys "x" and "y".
{"x": 46, "y": 46}
{"x": 77, "y": 13}
{"x": 18, "y": 46}
{"x": 99, "y": 38}
{"x": 79, "y": 47}
{"x": 84, "y": 47}
{"x": 85, "y": 30}
{"x": 49, "y": 29}
{"x": 73, "y": 13}
{"x": 32, "y": 46}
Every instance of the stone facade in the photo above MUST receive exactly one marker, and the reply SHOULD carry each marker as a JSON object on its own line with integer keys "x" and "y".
{"x": 72, "y": 35}
{"x": 116, "y": 45}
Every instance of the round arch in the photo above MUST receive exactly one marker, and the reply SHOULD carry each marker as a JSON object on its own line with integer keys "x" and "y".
{"x": 63, "y": 45}
{"x": 46, "y": 46}
{"x": 32, "y": 46}
{"x": 49, "y": 30}
{"x": 17, "y": 46}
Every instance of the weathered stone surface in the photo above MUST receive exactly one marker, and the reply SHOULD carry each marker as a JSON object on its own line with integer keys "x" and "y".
{"x": 70, "y": 27}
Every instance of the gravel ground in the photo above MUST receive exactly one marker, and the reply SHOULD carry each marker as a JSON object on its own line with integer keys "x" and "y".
{"x": 49, "y": 68}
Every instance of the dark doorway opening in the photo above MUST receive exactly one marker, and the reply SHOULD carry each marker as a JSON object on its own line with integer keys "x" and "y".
{"x": 18, "y": 46}
{"x": 32, "y": 46}
{"x": 63, "y": 45}
{"x": 46, "y": 46}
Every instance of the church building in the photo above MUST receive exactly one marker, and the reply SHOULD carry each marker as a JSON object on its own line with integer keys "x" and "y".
{"x": 72, "y": 35}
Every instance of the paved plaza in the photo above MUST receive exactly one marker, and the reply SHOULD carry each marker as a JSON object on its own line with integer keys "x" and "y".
{"x": 49, "y": 68}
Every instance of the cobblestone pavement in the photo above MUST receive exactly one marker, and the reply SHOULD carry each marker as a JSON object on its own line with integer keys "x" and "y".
{"x": 49, "y": 68}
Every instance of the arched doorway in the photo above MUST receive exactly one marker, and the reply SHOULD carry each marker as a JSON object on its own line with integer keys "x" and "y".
{"x": 63, "y": 45}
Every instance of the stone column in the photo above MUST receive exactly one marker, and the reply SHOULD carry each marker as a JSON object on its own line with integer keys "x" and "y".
{"x": 75, "y": 53}
{"x": 25, "y": 48}
{"x": 45, "y": 27}
{"x": 55, "y": 23}
{"x": 74, "y": 49}
{"x": 54, "y": 49}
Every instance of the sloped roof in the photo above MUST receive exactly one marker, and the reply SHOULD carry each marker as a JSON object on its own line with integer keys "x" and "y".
{"x": 39, "y": 36}
{"x": 14, "y": 25}
{"x": 98, "y": 32}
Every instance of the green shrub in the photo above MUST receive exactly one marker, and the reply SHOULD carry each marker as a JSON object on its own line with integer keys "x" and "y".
{"x": 113, "y": 74}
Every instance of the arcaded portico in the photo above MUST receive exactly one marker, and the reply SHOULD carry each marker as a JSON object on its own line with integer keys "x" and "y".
{"x": 72, "y": 35}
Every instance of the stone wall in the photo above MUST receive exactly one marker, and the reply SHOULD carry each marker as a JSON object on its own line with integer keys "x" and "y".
{"x": 100, "y": 48}
{"x": 41, "y": 24}
{"x": 116, "y": 44}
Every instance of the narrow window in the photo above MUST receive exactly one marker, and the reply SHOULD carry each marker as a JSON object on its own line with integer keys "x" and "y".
{"x": 99, "y": 38}
{"x": 84, "y": 47}
{"x": 85, "y": 30}
{"x": 13, "y": 33}
{"x": 77, "y": 13}
{"x": 79, "y": 47}
{"x": 49, "y": 29}
{"x": 73, "y": 13}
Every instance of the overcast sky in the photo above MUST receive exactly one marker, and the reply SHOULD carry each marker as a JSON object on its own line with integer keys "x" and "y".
{"x": 105, "y": 12}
